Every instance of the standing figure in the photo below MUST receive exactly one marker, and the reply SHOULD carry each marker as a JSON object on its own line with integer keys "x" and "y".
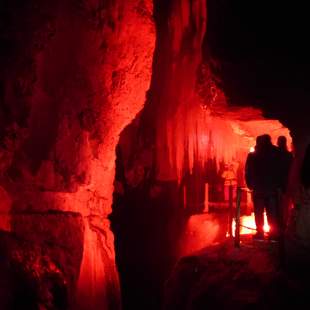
{"x": 262, "y": 174}
{"x": 286, "y": 159}
{"x": 230, "y": 181}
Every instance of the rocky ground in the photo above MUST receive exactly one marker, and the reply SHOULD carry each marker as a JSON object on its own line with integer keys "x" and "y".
{"x": 254, "y": 276}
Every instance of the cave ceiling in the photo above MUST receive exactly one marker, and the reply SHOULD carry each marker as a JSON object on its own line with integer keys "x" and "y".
{"x": 259, "y": 55}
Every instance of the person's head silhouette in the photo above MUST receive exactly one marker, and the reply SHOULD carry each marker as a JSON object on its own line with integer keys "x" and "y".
{"x": 281, "y": 142}
{"x": 262, "y": 142}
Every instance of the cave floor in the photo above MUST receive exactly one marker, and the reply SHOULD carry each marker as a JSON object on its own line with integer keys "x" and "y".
{"x": 255, "y": 275}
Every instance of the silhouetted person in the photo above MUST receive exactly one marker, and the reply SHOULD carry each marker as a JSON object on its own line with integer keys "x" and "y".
{"x": 286, "y": 159}
{"x": 263, "y": 177}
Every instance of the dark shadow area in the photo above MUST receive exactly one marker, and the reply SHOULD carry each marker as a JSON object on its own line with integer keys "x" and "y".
{"x": 260, "y": 55}
{"x": 221, "y": 277}
{"x": 146, "y": 220}
{"x": 29, "y": 281}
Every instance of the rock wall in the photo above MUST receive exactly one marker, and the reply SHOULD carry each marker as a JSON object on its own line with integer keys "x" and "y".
{"x": 73, "y": 74}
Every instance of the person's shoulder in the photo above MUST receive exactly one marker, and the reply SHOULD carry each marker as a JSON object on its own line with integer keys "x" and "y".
{"x": 275, "y": 149}
{"x": 286, "y": 154}
{"x": 289, "y": 154}
{"x": 251, "y": 154}
{"x": 250, "y": 157}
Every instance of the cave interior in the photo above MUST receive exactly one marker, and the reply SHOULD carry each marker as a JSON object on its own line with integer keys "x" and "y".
{"x": 118, "y": 119}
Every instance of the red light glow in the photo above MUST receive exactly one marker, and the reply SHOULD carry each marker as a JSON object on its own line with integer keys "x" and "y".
{"x": 248, "y": 226}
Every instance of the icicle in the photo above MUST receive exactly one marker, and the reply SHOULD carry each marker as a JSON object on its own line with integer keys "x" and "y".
{"x": 189, "y": 132}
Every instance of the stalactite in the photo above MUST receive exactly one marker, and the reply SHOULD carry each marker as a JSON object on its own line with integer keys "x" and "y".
{"x": 195, "y": 121}
{"x": 187, "y": 26}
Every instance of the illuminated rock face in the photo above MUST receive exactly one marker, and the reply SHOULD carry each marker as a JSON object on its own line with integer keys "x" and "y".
{"x": 73, "y": 74}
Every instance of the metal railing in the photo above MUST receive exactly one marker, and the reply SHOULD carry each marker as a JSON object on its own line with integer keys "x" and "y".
{"x": 238, "y": 215}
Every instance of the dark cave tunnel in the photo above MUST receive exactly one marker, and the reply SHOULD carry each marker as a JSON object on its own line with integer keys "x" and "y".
{"x": 147, "y": 100}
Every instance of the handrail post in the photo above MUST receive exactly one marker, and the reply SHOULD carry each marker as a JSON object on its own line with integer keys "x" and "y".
{"x": 230, "y": 219}
{"x": 237, "y": 227}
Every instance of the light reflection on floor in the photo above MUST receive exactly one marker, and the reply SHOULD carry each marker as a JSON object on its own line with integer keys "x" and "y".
{"x": 201, "y": 230}
{"x": 248, "y": 225}
{"x": 207, "y": 229}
